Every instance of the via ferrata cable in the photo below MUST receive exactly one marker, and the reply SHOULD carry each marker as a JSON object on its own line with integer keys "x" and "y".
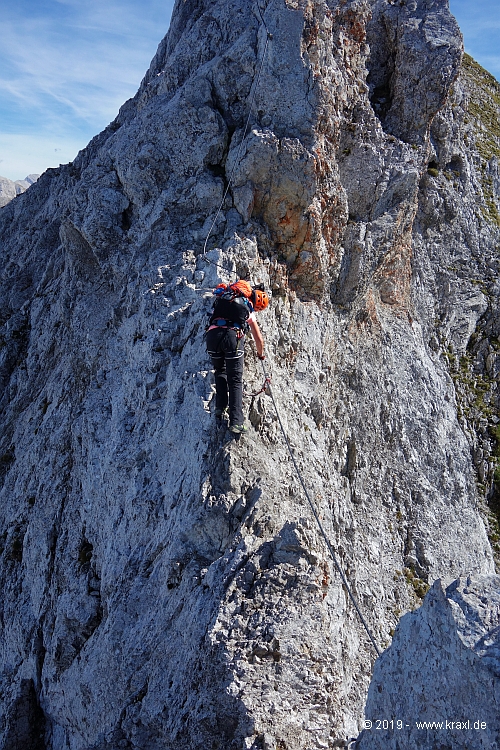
{"x": 318, "y": 521}
{"x": 255, "y": 85}
{"x": 267, "y": 380}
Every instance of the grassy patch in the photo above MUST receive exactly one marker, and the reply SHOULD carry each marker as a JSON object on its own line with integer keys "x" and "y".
{"x": 483, "y": 113}
{"x": 416, "y": 584}
{"x": 476, "y": 402}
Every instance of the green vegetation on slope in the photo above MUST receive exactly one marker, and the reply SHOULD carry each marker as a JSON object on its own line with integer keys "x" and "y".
{"x": 484, "y": 115}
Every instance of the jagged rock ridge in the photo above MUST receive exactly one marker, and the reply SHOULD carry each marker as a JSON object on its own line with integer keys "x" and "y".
{"x": 10, "y": 188}
{"x": 164, "y": 586}
{"x": 451, "y": 695}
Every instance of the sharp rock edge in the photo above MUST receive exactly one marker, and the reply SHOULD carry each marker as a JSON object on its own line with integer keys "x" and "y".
{"x": 163, "y": 585}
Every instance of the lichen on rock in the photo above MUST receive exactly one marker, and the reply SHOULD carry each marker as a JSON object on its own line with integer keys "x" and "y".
{"x": 165, "y": 585}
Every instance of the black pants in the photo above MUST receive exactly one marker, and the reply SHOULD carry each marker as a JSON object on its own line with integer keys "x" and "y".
{"x": 226, "y": 351}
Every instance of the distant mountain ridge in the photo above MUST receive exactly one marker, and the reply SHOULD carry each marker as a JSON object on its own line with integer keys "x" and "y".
{"x": 164, "y": 585}
{"x": 10, "y": 188}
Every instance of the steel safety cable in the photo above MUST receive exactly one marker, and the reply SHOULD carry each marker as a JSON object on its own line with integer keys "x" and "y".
{"x": 255, "y": 85}
{"x": 267, "y": 379}
{"x": 318, "y": 521}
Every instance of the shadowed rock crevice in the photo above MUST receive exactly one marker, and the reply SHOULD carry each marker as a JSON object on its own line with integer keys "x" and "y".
{"x": 25, "y": 721}
{"x": 405, "y": 90}
{"x": 174, "y": 590}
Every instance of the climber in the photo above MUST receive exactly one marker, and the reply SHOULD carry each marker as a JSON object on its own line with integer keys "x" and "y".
{"x": 231, "y": 317}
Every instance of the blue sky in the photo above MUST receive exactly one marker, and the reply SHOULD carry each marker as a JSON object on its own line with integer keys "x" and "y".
{"x": 480, "y": 24}
{"x": 66, "y": 67}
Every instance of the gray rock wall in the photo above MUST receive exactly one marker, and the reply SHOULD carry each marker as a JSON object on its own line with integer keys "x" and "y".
{"x": 165, "y": 585}
{"x": 447, "y": 657}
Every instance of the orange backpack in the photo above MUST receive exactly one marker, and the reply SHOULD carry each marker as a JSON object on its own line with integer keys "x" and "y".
{"x": 238, "y": 288}
{"x": 243, "y": 288}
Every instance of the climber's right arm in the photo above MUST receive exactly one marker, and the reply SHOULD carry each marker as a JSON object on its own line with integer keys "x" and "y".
{"x": 257, "y": 337}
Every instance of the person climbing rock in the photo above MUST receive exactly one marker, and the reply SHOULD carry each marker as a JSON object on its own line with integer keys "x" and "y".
{"x": 232, "y": 316}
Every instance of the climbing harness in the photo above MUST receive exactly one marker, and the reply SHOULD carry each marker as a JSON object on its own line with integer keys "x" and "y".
{"x": 320, "y": 525}
{"x": 267, "y": 380}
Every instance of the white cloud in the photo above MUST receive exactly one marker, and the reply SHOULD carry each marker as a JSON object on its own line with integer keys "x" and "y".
{"x": 65, "y": 75}
{"x": 89, "y": 71}
{"x": 27, "y": 154}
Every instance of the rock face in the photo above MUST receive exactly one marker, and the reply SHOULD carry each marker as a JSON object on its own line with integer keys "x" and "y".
{"x": 447, "y": 656}
{"x": 9, "y": 189}
{"x": 165, "y": 585}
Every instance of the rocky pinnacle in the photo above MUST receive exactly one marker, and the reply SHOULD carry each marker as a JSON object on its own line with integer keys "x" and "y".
{"x": 165, "y": 585}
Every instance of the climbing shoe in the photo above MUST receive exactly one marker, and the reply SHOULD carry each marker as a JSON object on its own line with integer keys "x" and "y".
{"x": 239, "y": 429}
{"x": 219, "y": 413}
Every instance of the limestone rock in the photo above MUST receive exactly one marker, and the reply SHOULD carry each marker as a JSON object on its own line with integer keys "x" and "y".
{"x": 446, "y": 656}
{"x": 9, "y": 189}
{"x": 163, "y": 584}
